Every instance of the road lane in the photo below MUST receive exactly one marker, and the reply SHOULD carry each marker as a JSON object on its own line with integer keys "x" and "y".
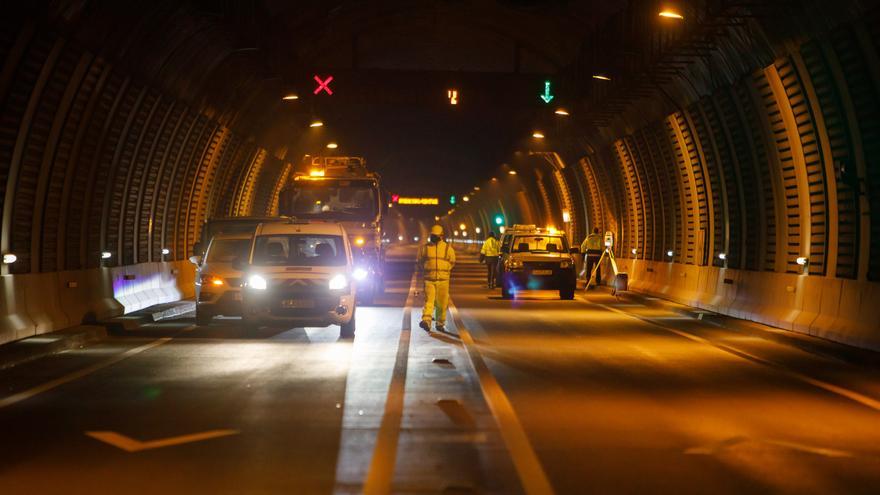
{"x": 610, "y": 403}
{"x": 614, "y": 404}
{"x": 283, "y": 391}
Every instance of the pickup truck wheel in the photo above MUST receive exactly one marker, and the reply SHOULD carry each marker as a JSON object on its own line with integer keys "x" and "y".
{"x": 203, "y": 317}
{"x": 346, "y": 331}
{"x": 505, "y": 288}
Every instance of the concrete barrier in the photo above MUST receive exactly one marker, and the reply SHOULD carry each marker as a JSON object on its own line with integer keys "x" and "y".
{"x": 37, "y": 303}
{"x": 845, "y": 311}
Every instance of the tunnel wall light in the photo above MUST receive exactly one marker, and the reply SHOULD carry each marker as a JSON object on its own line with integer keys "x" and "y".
{"x": 166, "y": 251}
{"x": 106, "y": 255}
{"x": 464, "y": 234}
{"x": 477, "y": 230}
{"x": 452, "y": 95}
{"x": 671, "y": 14}
{"x": 566, "y": 217}
{"x": 722, "y": 256}
{"x": 9, "y": 258}
{"x": 462, "y": 226}
{"x": 455, "y": 233}
{"x": 634, "y": 251}
{"x": 332, "y": 146}
{"x": 501, "y": 229}
{"x": 561, "y": 111}
{"x": 465, "y": 198}
{"x": 538, "y": 135}
{"x": 290, "y": 97}
{"x": 669, "y": 253}
{"x": 316, "y": 123}
{"x": 601, "y": 77}
{"x": 512, "y": 172}
{"x": 802, "y": 261}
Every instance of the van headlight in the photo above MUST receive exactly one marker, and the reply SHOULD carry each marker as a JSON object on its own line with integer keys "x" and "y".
{"x": 514, "y": 264}
{"x": 338, "y": 282}
{"x": 359, "y": 274}
{"x": 565, "y": 264}
{"x": 257, "y": 282}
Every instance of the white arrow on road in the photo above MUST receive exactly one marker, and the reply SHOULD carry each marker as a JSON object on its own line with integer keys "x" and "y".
{"x": 129, "y": 444}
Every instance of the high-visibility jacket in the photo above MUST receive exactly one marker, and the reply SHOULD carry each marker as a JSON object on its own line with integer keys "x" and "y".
{"x": 490, "y": 248}
{"x": 593, "y": 242}
{"x": 436, "y": 261}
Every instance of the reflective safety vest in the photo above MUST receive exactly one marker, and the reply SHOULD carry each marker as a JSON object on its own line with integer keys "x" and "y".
{"x": 593, "y": 242}
{"x": 436, "y": 261}
{"x": 491, "y": 248}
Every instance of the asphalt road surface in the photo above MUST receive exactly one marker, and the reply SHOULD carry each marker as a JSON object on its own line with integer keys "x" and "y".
{"x": 596, "y": 395}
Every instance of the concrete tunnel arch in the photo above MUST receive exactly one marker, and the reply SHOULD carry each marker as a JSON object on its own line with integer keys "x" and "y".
{"x": 124, "y": 137}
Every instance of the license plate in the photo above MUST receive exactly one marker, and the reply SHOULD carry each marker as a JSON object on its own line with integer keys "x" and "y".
{"x": 236, "y": 296}
{"x": 297, "y": 303}
{"x": 542, "y": 272}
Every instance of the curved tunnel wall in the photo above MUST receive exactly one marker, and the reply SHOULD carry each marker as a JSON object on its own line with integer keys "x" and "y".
{"x": 780, "y": 165}
{"x": 94, "y": 159}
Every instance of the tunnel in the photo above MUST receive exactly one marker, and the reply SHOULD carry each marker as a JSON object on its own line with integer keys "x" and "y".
{"x": 727, "y": 151}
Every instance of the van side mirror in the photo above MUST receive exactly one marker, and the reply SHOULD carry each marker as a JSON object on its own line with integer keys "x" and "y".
{"x": 195, "y": 259}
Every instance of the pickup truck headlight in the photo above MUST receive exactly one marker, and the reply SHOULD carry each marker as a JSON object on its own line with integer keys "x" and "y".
{"x": 514, "y": 264}
{"x": 338, "y": 282}
{"x": 257, "y": 282}
{"x": 359, "y": 274}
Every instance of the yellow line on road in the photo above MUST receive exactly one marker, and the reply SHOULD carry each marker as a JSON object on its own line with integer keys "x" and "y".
{"x": 829, "y": 387}
{"x": 381, "y": 473}
{"x": 27, "y": 394}
{"x": 130, "y": 445}
{"x": 528, "y": 466}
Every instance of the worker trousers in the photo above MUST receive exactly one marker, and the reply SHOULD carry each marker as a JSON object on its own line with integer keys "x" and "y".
{"x": 491, "y": 267}
{"x": 590, "y": 261}
{"x": 436, "y": 300}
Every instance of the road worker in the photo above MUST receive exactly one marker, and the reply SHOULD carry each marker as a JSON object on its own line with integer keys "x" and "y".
{"x": 489, "y": 254}
{"x": 436, "y": 259}
{"x": 592, "y": 249}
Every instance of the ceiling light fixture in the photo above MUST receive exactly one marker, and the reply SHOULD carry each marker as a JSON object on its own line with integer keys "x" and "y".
{"x": 601, "y": 77}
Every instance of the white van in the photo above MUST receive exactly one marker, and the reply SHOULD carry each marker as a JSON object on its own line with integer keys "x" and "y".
{"x": 300, "y": 273}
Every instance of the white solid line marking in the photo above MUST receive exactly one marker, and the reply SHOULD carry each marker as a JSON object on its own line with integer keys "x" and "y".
{"x": 528, "y": 466}
{"x": 829, "y": 387}
{"x": 381, "y": 473}
{"x": 45, "y": 387}
{"x": 130, "y": 445}
{"x": 721, "y": 446}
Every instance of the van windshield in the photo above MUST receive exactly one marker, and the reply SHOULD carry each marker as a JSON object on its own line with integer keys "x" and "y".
{"x": 299, "y": 250}
{"x": 228, "y": 250}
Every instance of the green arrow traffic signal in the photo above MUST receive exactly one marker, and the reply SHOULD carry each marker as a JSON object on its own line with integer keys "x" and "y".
{"x": 547, "y": 97}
